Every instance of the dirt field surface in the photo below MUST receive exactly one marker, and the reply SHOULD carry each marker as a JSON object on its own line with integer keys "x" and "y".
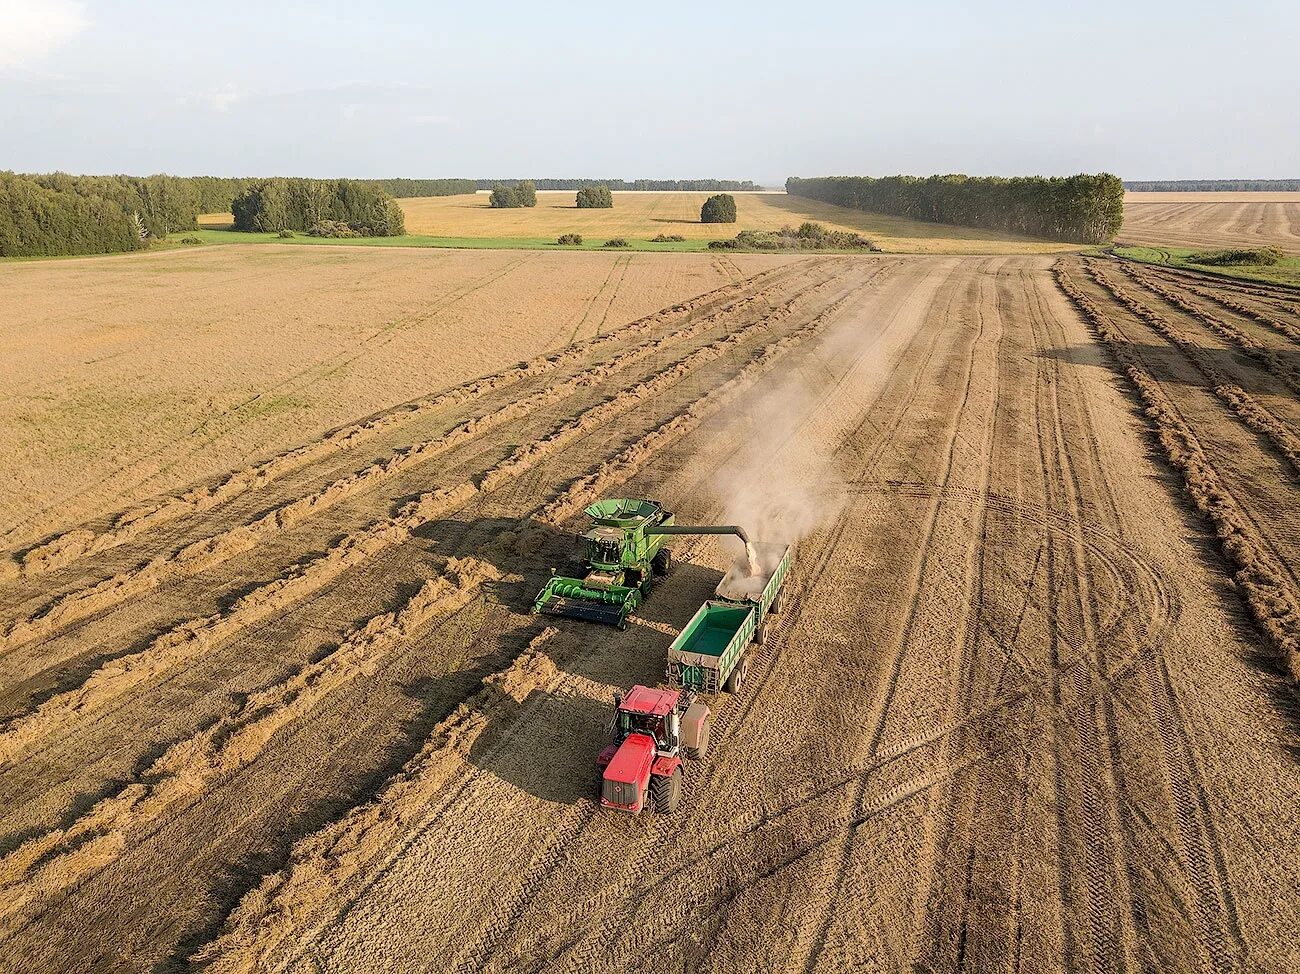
{"x": 1213, "y": 220}
{"x": 1021, "y": 709}
{"x": 122, "y": 377}
{"x": 645, "y": 215}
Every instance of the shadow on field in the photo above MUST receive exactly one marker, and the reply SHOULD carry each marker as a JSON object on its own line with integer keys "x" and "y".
{"x": 1169, "y": 365}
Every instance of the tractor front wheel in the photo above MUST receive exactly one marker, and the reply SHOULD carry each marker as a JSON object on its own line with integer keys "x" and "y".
{"x": 662, "y": 562}
{"x": 666, "y": 792}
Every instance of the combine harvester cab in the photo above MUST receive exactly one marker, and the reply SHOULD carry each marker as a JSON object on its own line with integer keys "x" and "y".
{"x": 621, "y": 556}
{"x": 712, "y": 652}
{"x": 652, "y": 730}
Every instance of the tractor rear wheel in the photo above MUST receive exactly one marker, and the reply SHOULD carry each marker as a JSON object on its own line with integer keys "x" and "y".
{"x": 700, "y": 750}
{"x": 662, "y": 562}
{"x": 666, "y": 792}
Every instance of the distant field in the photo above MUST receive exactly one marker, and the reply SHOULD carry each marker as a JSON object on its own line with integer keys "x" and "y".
{"x": 464, "y": 220}
{"x": 1213, "y": 220}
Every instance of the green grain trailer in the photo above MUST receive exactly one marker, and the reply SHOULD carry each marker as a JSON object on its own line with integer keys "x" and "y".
{"x": 711, "y": 654}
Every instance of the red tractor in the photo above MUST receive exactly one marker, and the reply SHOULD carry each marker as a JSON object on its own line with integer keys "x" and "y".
{"x": 643, "y": 764}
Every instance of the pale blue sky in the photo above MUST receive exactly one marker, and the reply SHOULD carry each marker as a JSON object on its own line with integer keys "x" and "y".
{"x": 671, "y": 89}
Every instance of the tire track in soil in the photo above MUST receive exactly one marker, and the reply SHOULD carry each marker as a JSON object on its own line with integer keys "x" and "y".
{"x": 1215, "y": 916}
{"x": 1111, "y": 944}
{"x": 208, "y": 552}
{"x": 833, "y": 887}
{"x": 198, "y": 637}
{"x": 635, "y": 457}
{"x": 952, "y": 869}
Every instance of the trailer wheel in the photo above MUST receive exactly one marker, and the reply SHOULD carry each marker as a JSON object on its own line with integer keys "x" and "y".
{"x": 666, "y": 793}
{"x": 701, "y": 750}
{"x": 775, "y": 607}
{"x": 662, "y": 562}
{"x": 737, "y": 677}
{"x": 760, "y": 632}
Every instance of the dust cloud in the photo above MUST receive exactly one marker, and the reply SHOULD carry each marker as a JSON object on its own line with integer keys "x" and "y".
{"x": 785, "y": 482}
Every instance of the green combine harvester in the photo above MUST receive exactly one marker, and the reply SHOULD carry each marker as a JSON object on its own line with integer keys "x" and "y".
{"x": 623, "y": 553}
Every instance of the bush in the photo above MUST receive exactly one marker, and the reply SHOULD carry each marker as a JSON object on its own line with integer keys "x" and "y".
{"x": 1265, "y": 256}
{"x": 191, "y": 241}
{"x": 809, "y": 236}
{"x": 616, "y": 242}
{"x": 523, "y": 193}
{"x": 333, "y": 228}
{"x": 570, "y": 240}
{"x": 595, "y": 198}
{"x": 719, "y": 209}
{"x": 668, "y": 238}
{"x": 286, "y": 234}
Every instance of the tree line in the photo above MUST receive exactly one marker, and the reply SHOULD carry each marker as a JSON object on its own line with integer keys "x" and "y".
{"x": 1212, "y": 185}
{"x": 302, "y": 204}
{"x": 58, "y": 214}
{"x": 1083, "y": 209}
{"x": 216, "y": 193}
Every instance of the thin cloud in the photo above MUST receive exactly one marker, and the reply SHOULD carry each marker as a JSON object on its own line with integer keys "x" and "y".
{"x": 34, "y": 29}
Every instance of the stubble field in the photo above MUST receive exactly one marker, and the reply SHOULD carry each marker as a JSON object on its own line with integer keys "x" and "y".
{"x": 1213, "y": 220}
{"x": 1021, "y": 712}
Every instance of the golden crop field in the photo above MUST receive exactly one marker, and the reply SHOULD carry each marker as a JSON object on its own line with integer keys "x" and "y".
{"x": 645, "y": 215}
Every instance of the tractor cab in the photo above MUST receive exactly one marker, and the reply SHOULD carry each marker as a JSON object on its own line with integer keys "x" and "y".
{"x": 650, "y": 712}
{"x": 642, "y": 763}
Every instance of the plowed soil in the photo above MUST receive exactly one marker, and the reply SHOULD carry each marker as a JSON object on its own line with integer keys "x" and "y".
{"x": 1026, "y": 705}
{"x": 1213, "y": 220}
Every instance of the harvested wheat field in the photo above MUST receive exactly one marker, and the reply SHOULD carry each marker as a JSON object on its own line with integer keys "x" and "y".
{"x": 1214, "y": 220}
{"x": 124, "y": 377}
{"x": 1022, "y": 708}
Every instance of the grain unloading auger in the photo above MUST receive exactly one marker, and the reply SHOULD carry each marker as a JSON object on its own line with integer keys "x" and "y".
{"x": 623, "y": 552}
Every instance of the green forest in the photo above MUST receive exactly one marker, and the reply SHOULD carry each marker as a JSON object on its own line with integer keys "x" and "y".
{"x": 304, "y": 204}
{"x": 1213, "y": 185}
{"x": 1081, "y": 209}
{"x": 57, "y": 214}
